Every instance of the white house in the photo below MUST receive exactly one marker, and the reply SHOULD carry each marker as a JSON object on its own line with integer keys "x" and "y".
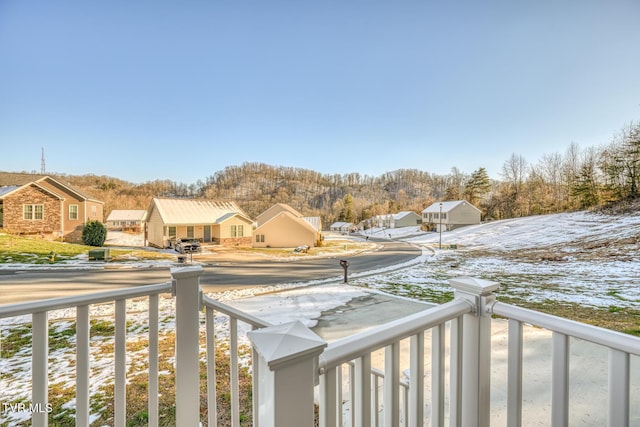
{"x": 126, "y": 219}
{"x": 400, "y": 219}
{"x": 342, "y": 227}
{"x": 450, "y": 215}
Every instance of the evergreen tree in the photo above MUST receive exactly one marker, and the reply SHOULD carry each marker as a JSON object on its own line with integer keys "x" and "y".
{"x": 94, "y": 233}
{"x": 477, "y": 186}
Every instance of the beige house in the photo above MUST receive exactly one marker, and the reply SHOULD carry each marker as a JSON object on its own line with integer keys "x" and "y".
{"x": 45, "y": 206}
{"x": 126, "y": 219}
{"x": 281, "y": 226}
{"x": 444, "y": 216}
{"x": 208, "y": 221}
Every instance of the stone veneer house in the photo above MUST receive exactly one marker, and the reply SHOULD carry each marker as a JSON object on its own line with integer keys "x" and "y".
{"x": 41, "y": 205}
{"x": 208, "y": 221}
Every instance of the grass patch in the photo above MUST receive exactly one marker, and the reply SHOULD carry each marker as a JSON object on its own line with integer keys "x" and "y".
{"x": 31, "y": 250}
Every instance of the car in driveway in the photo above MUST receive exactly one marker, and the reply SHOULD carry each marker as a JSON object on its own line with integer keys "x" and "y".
{"x": 187, "y": 245}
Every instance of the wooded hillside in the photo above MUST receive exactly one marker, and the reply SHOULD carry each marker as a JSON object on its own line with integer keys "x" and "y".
{"x": 576, "y": 179}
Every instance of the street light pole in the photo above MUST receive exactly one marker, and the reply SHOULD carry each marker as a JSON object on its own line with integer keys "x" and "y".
{"x": 440, "y": 227}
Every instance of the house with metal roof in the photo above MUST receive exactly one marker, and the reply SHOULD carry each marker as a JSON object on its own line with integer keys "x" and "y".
{"x": 397, "y": 220}
{"x": 208, "y": 221}
{"x": 281, "y": 226}
{"x": 126, "y": 219}
{"x": 45, "y": 206}
{"x": 443, "y": 216}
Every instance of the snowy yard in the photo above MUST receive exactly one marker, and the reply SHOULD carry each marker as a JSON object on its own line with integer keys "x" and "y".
{"x": 582, "y": 258}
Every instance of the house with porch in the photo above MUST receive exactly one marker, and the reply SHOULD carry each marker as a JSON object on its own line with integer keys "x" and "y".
{"x": 445, "y": 216}
{"x": 281, "y": 226}
{"x": 208, "y": 221}
{"x": 45, "y": 206}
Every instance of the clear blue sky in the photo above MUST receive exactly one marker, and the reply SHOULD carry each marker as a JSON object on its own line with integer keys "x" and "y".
{"x": 145, "y": 90}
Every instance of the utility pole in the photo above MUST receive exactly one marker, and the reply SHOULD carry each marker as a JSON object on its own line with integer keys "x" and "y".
{"x": 43, "y": 167}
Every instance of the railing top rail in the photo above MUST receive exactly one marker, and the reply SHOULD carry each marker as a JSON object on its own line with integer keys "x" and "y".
{"x": 39, "y": 306}
{"x": 594, "y": 334}
{"x": 235, "y": 313}
{"x": 352, "y": 347}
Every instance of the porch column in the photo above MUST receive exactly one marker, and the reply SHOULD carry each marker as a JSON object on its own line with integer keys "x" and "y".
{"x": 288, "y": 373}
{"x": 476, "y": 350}
{"x": 186, "y": 287}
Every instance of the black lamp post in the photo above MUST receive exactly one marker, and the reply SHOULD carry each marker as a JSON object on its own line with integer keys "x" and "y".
{"x": 440, "y": 227}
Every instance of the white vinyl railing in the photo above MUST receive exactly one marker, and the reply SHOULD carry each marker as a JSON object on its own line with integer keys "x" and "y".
{"x": 294, "y": 370}
{"x": 39, "y": 311}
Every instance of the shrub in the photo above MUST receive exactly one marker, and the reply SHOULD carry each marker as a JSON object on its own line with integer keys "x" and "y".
{"x": 94, "y": 233}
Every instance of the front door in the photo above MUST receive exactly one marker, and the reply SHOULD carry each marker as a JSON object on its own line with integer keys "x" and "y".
{"x": 207, "y": 233}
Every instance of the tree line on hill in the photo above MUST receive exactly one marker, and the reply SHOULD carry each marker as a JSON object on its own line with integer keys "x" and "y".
{"x": 576, "y": 179}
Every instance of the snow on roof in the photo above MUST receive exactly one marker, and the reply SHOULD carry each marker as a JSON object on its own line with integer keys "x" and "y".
{"x": 127, "y": 215}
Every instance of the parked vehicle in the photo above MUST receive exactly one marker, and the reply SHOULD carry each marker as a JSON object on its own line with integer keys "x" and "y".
{"x": 302, "y": 249}
{"x": 187, "y": 245}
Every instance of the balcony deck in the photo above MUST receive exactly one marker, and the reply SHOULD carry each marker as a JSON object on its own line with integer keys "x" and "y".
{"x": 448, "y": 365}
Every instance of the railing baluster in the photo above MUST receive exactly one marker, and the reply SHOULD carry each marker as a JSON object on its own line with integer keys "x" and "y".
{"x": 362, "y": 391}
{"x": 39, "y": 368}
{"x": 560, "y": 378}
{"x": 212, "y": 410}
{"x": 376, "y": 400}
{"x": 416, "y": 381}
{"x": 392, "y": 385}
{"x": 330, "y": 404}
{"x": 154, "y": 318}
{"x": 455, "y": 373}
{"x": 514, "y": 374}
{"x": 255, "y": 382}
{"x": 120, "y": 386}
{"x": 233, "y": 375}
{"x": 82, "y": 365}
{"x": 619, "y": 363}
{"x": 437, "y": 375}
{"x": 352, "y": 391}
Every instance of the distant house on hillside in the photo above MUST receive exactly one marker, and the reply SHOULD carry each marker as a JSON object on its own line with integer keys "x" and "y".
{"x": 343, "y": 227}
{"x": 398, "y": 220}
{"x": 208, "y": 221}
{"x": 126, "y": 219}
{"x": 450, "y": 215}
{"x": 45, "y": 206}
{"x": 281, "y": 226}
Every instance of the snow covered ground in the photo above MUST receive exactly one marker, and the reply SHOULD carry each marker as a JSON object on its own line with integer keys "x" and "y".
{"x": 581, "y": 257}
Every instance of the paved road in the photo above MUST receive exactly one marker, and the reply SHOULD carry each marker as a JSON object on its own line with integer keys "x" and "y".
{"x": 33, "y": 285}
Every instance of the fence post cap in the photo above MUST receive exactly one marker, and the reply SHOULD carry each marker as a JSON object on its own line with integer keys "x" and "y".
{"x": 186, "y": 272}
{"x": 281, "y": 345}
{"x": 474, "y": 286}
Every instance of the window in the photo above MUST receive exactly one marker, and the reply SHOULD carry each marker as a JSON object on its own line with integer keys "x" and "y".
{"x": 259, "y": 238}
{"x": 94, "y": 211}
{"x": 73, "y": 212}
{"x": 33, "y": 212}
{"x": 234, "y": 231}
{"x": 444, "y": 215}
{"x": 241, "y": 231}
{"x": 171, "y": 232}
{"x": 190, "y": 233}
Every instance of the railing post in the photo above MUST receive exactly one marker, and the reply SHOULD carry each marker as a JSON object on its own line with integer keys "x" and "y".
{"x": 476, "y": 350}
{"x": 186, "y": 282}
{"x": 288, "y": 369}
